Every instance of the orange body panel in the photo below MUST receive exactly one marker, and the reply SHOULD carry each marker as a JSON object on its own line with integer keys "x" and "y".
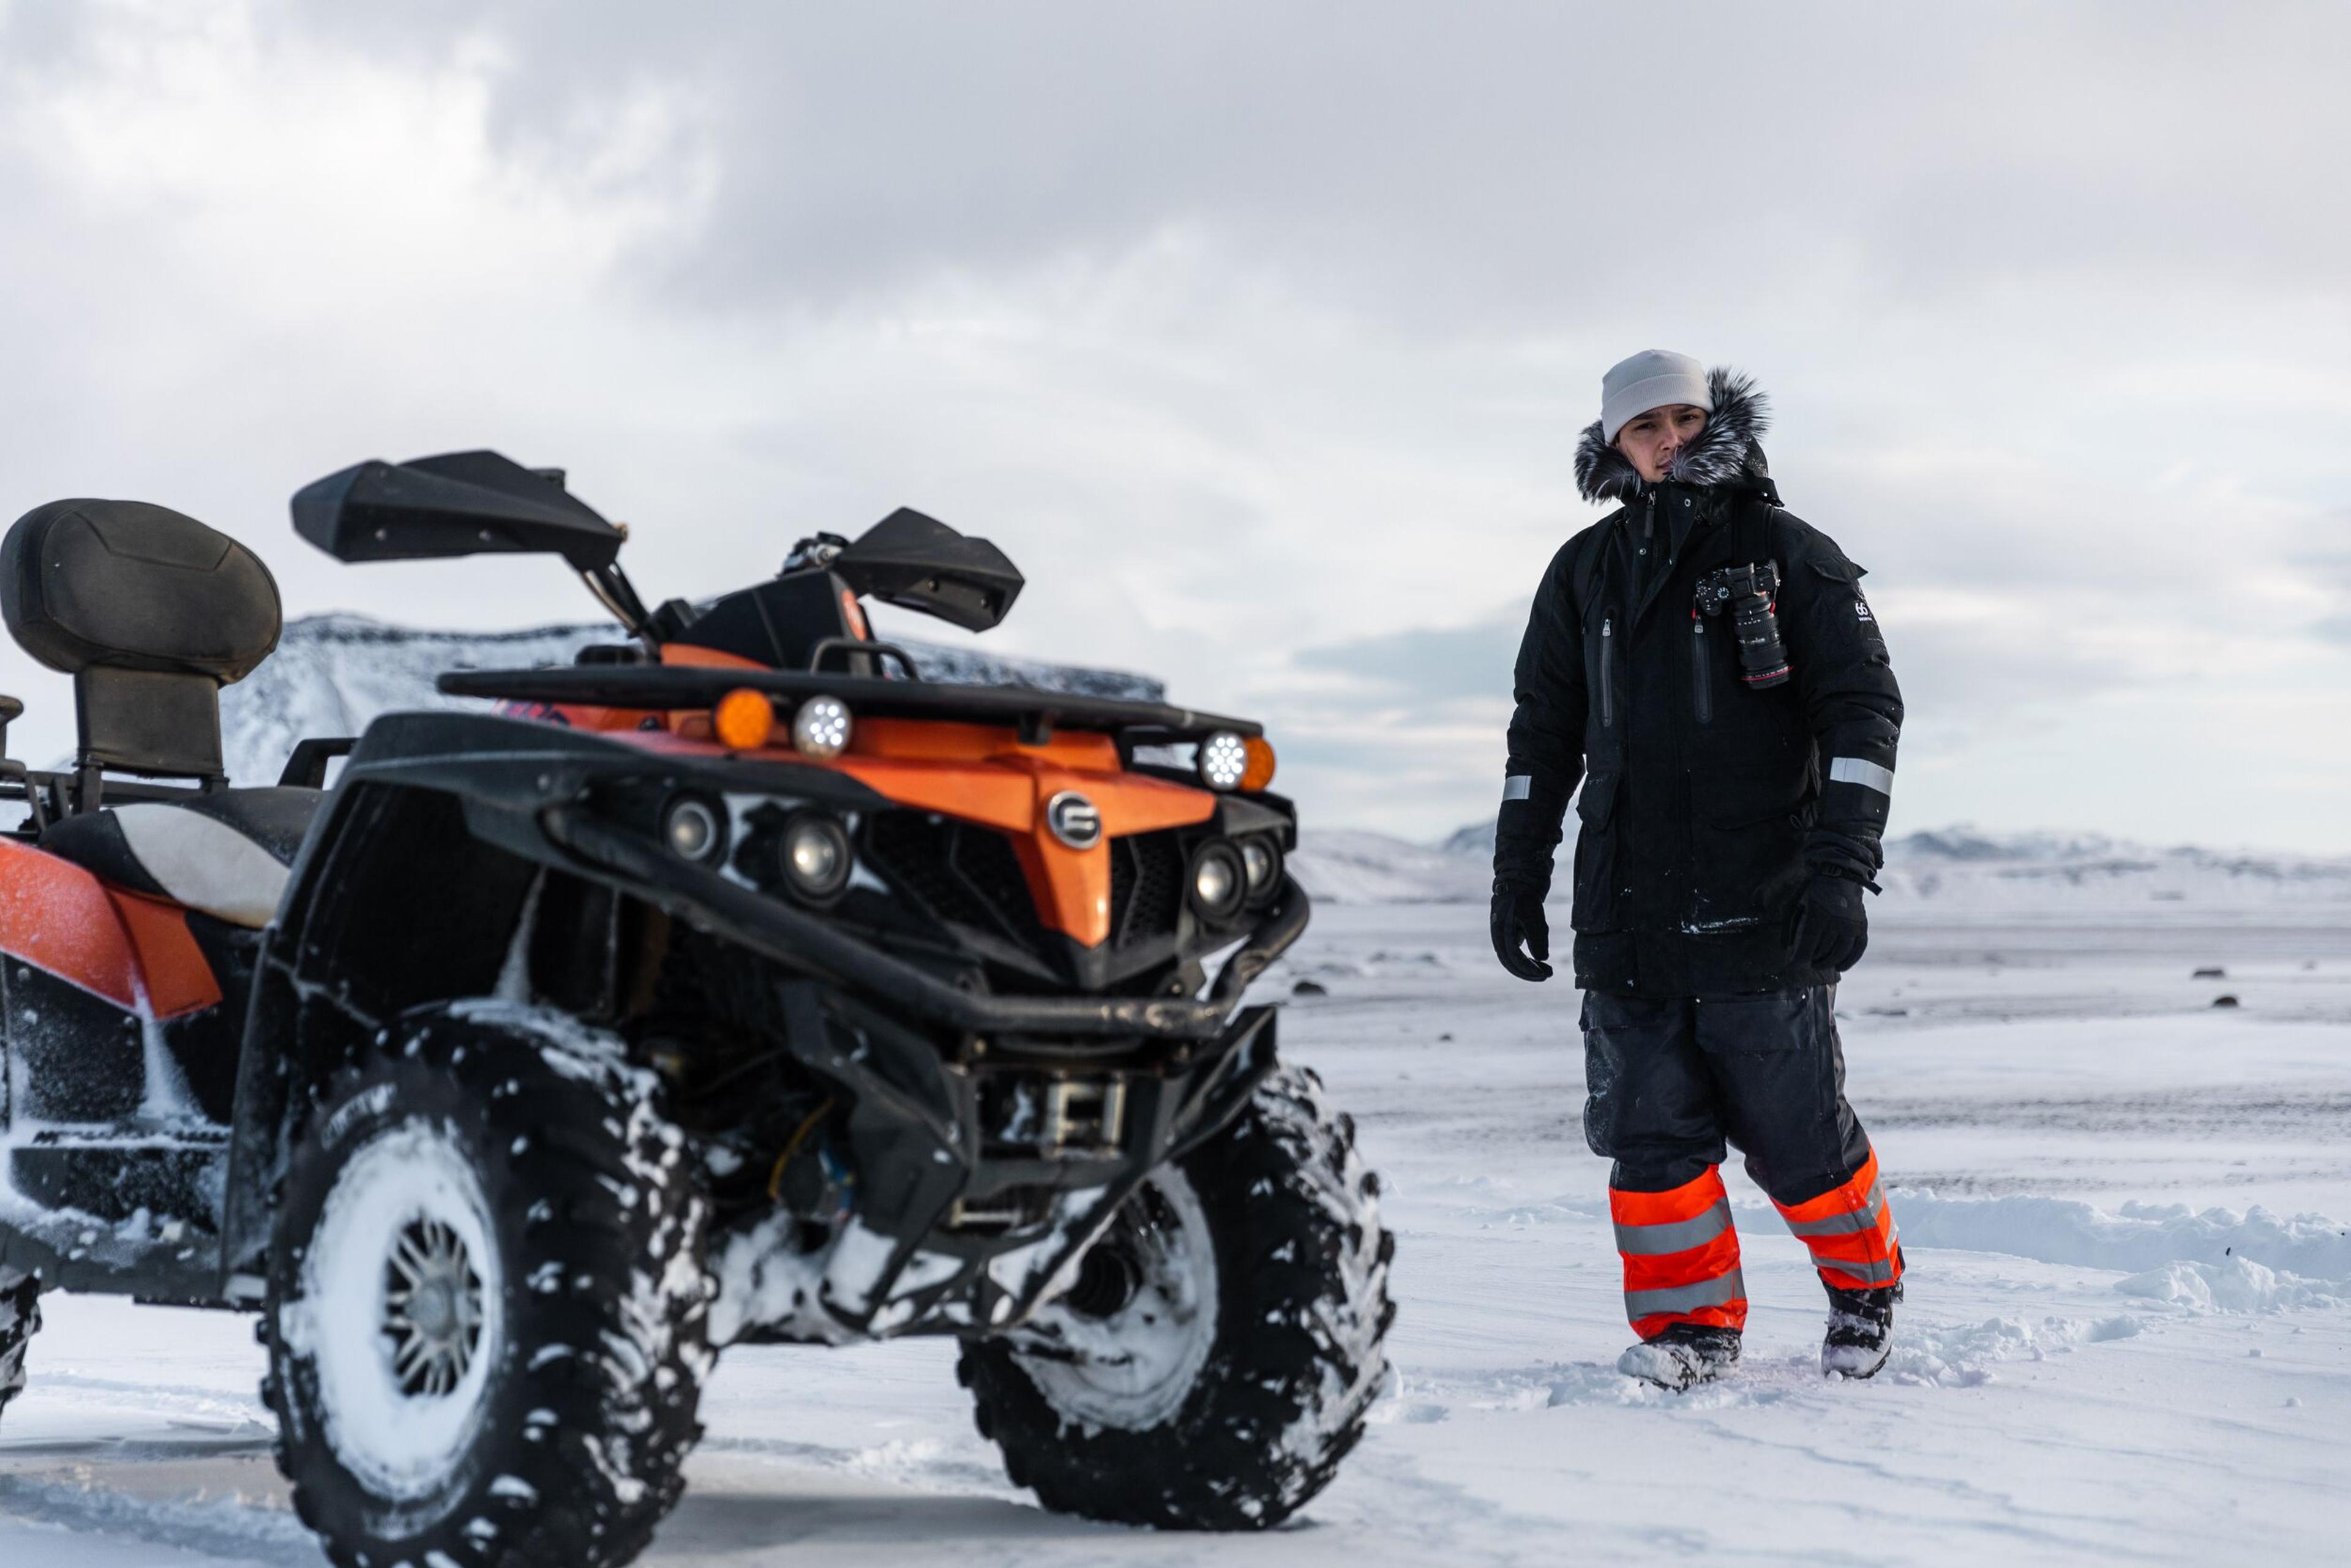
{"x": 134, "y": 951}
{"x": 973, "y": 772}
{"x": 980, "y": 773}
{"x": 984, "y": 774}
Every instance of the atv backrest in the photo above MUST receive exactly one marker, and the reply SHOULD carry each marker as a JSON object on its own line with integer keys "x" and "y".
{"x": 152, "y": 613}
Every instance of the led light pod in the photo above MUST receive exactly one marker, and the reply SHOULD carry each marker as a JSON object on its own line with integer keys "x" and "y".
{"x": 1222, "y": 760}
{"x": 821, "y": 728}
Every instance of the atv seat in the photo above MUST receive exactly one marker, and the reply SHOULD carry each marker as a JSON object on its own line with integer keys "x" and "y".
{"x": 225, "y": 854}
{"x": 152, "y": 613}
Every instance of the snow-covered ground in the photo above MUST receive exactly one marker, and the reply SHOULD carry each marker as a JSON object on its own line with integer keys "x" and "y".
{"x": 2121, "y": 1342}
{"x": 2128, "y": 1336}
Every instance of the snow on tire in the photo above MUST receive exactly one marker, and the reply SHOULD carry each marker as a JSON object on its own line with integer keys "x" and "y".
{"x": 1212, "y": 1360}
{"x": 486, "y": 1300}
{"x": 20, "y": 1320}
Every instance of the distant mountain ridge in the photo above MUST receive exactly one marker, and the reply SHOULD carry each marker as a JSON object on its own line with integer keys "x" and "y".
{"x": 1946, "y": 867}
{"x": 334, "y": 673}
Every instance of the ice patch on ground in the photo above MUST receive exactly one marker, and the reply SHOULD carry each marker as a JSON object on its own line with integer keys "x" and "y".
{"x": 2143, "y": 1237}
{"x": 242, "y": 1528}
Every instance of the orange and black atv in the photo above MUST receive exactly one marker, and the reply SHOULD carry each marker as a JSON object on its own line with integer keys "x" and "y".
{"x": 734, "y": 984}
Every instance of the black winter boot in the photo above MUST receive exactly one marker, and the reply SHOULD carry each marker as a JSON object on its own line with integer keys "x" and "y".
{"x": 1684, "y": 1356}
{"x": 1861, "y": 1331}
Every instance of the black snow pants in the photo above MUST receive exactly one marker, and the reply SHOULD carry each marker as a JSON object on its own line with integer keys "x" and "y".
{"x": 1670, "y": 1078}
{"x": 1670, "y": 1081}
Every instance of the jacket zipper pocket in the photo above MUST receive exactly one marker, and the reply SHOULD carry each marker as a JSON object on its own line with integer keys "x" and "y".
{"x": 1608, "y": 672}
{"x": 1700, "y": 692}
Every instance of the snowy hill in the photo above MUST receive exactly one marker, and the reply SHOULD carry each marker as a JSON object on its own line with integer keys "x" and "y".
{"x": 333, "y": 674}
{"x": 1954, "y": 869}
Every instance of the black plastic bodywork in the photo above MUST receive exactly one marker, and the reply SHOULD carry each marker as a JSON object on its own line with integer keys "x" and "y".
{"x": 461, "y": 502}
{"x": 867, "y": 999}
{"x": 903, "y": 1030}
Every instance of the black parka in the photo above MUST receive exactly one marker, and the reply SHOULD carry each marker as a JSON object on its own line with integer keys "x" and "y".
{"x": 1705, "y": 804}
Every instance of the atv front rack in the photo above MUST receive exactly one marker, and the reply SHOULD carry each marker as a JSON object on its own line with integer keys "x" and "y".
{"x": 676, "y": 687}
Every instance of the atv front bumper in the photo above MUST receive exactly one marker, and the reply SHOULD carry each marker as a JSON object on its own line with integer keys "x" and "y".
{"x": 982, "y": 1171}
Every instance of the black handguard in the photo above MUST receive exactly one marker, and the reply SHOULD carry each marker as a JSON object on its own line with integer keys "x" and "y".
{"x": 1518, "y": 919}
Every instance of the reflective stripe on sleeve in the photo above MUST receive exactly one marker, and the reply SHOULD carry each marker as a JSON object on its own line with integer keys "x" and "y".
{"x": 1518, "y": 787}
{"x": 1868, "y": 775}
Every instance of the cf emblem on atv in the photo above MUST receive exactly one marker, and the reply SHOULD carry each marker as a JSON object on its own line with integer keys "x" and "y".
{"x": 1073, "y": 820}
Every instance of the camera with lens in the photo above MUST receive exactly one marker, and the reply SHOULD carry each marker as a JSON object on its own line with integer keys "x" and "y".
{"x": 1751, "y": 593}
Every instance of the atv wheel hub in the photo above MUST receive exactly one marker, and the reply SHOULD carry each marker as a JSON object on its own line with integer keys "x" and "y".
{"x": 431, "y": 1308}
{"x": 398, "y": 1315}
{"x": 1125, "y": 1346}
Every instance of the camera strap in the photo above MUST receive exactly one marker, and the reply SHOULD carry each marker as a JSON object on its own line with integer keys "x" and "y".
{"x": 1751, "y": 532}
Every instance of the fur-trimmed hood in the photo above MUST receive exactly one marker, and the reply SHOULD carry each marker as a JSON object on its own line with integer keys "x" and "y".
{"x": 1726, "y": 451}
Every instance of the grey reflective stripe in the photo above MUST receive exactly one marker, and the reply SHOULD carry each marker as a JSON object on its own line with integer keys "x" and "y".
{"x": 1852, "y": 1224}
{"x": 1869, "y": 1273}
{"x": 1675, "y": 1235}
{"x": 1731, "y": 1287}
{"x": 1518, "y": 787}
{"x": 1868, "y": 775}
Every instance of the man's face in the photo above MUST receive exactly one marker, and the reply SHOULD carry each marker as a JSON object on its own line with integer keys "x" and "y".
{"x": 1652, "y": 440}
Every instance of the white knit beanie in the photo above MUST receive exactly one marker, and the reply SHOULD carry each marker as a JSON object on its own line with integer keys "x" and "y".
{"x": 1653, "y": 378}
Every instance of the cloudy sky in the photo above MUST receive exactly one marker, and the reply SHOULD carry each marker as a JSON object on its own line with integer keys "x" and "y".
{"x": 1259, "y": 334}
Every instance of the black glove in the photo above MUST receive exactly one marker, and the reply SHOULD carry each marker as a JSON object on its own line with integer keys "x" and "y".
{"x": 1518, "y": 918}
{"x": 1832, "y": 932}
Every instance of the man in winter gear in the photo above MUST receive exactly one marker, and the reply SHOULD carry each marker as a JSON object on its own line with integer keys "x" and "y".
{"x": 1733, "y": 796}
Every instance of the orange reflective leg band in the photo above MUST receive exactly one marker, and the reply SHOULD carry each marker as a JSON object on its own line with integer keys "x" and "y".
{"x": 1681, "y": 1257}
{"x": 1850, "y": 1232}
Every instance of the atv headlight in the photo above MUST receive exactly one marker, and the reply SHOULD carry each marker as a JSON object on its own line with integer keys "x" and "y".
{"x": 1223, "y": 758}
{"x": 821, "y": 728}
{"x": 693, "y": 828}
{"x": 1218, "y": 881}
{"x": 814, "y": 855}
{"x": 1260, "y": 864}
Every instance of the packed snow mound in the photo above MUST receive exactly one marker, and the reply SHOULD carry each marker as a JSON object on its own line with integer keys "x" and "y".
{"x": 2175, "y": 1251}
{"x": 1955, "y": 868}
{"x": 333, "y": 674}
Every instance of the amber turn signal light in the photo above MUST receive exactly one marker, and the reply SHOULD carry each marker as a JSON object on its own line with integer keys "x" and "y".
{"x": 1258, "y": 773}
{"x": 744, "y": 719}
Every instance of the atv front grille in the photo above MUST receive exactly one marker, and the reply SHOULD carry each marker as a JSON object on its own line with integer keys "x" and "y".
{"x": 970, "y": 876}
{"x": 966, "y": 875}
{"x": 1146, "y": 887}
